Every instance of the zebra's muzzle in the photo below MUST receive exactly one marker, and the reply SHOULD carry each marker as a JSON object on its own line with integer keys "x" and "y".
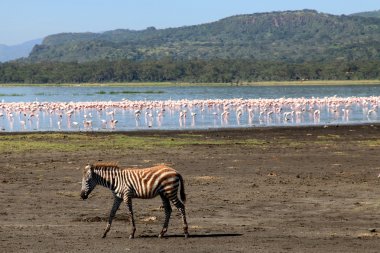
{"x": 83, "y": 195}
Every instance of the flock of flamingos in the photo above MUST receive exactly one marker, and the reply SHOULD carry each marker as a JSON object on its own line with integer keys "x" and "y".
{"x": 177, "y": 114}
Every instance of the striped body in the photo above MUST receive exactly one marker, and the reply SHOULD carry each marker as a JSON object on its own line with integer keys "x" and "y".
{"x": 127, "y": 184}
{"x": 139, "y": 183}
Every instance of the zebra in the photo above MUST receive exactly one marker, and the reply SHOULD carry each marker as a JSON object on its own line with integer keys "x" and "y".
{"x": 146, "y": 183}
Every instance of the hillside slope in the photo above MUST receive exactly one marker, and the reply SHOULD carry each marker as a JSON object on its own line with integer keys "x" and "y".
{"x": 8, "y": 53}
{"x": 291, "y": 36}
{"x": 368, "y": 14}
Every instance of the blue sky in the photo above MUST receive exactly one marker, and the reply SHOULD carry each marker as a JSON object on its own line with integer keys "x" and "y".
{"x": 23, "y": 20}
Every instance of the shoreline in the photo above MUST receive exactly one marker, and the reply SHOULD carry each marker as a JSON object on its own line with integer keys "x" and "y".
{"x": 185, "y": 84}
{"x": 167, "y": 132}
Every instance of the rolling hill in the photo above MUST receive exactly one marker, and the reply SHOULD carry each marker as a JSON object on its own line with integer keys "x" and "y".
{"x": 368, "y": 14}
{"x": 8, "y": 53}
{"x": 290, "y": 36}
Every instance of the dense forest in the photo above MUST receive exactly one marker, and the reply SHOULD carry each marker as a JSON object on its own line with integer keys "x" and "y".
{"x": 196, "y": 70}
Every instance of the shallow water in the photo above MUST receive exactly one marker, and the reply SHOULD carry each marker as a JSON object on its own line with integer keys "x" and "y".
{"x": 240, "y": 107}
{"x": 81, "y": 93}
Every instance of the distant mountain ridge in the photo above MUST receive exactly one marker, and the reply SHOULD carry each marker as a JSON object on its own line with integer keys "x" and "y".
{"x": 368, "y": 14}
{"x": 8, "y": 53}
{"x": 290, "y": 36}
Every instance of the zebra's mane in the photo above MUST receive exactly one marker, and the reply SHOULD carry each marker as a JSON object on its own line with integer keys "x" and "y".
{"x": 107, "y": 165}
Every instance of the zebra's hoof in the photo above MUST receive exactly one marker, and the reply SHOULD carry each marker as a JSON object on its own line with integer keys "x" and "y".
{"x": 131, "y": 236}
{"x": 186, "y": 235}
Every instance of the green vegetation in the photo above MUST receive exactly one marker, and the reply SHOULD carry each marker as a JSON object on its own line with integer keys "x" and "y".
{"x": 11, "y": 95}
{"x": 368, "y": 14}
{"x": 125, "y": 142}
{"x": 328, "y": 137}
{"x": 293, "y": 46}
{"x": 135, "y": 92}
{"x": 189, "y": 71}
{"x": 62, "y": 142}
{"x": 290, "y": 36}
{"x": 102, "y": 92}
{"x": 129, "y": 92}
{"x": 370, "y": 143}
{"x": 187, "y": 84}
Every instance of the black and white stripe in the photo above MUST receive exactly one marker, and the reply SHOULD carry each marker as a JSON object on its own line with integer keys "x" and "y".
{"x": 127, "y": 184}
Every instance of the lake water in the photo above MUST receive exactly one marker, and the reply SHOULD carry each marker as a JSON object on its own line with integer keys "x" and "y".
{"x": 80, "y": 93}
{"x": 131, "y": 108}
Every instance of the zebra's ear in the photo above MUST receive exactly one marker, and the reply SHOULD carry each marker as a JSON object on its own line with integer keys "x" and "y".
{"x": 89, "y": 167}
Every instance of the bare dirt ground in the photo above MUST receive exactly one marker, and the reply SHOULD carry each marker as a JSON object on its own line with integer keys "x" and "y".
{"x": 309, "y": 189}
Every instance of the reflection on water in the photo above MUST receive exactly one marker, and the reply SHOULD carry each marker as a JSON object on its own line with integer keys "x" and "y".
{"x": 185, "y": 113}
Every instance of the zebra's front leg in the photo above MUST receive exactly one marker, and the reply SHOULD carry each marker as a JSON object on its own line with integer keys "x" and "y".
{"x": 116, "y": 203}
{"x": 130, "y": 210}
{"x": 168, "y": 211}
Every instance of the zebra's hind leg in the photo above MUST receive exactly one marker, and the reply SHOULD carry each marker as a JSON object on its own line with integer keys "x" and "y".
{"x": 168, "y": 211}
{"x": 116, "y": 203}
{"x": 181, "y": 208}
{"x": 130, "y": 210}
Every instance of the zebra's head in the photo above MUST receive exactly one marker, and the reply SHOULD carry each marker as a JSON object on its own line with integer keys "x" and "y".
{"x": 88, "y": 181}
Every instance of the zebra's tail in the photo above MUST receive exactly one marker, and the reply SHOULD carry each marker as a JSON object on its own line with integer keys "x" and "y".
{"x": 182, "y": 194}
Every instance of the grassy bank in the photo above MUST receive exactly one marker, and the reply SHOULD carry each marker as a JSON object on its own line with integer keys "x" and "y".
{"x": 72, "y": 142}
{"x": 184, "y": 84}
{"x": 260, "y": 139}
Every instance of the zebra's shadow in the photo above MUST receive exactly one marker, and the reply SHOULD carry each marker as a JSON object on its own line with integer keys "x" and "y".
{"x": 212, "y": 235}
